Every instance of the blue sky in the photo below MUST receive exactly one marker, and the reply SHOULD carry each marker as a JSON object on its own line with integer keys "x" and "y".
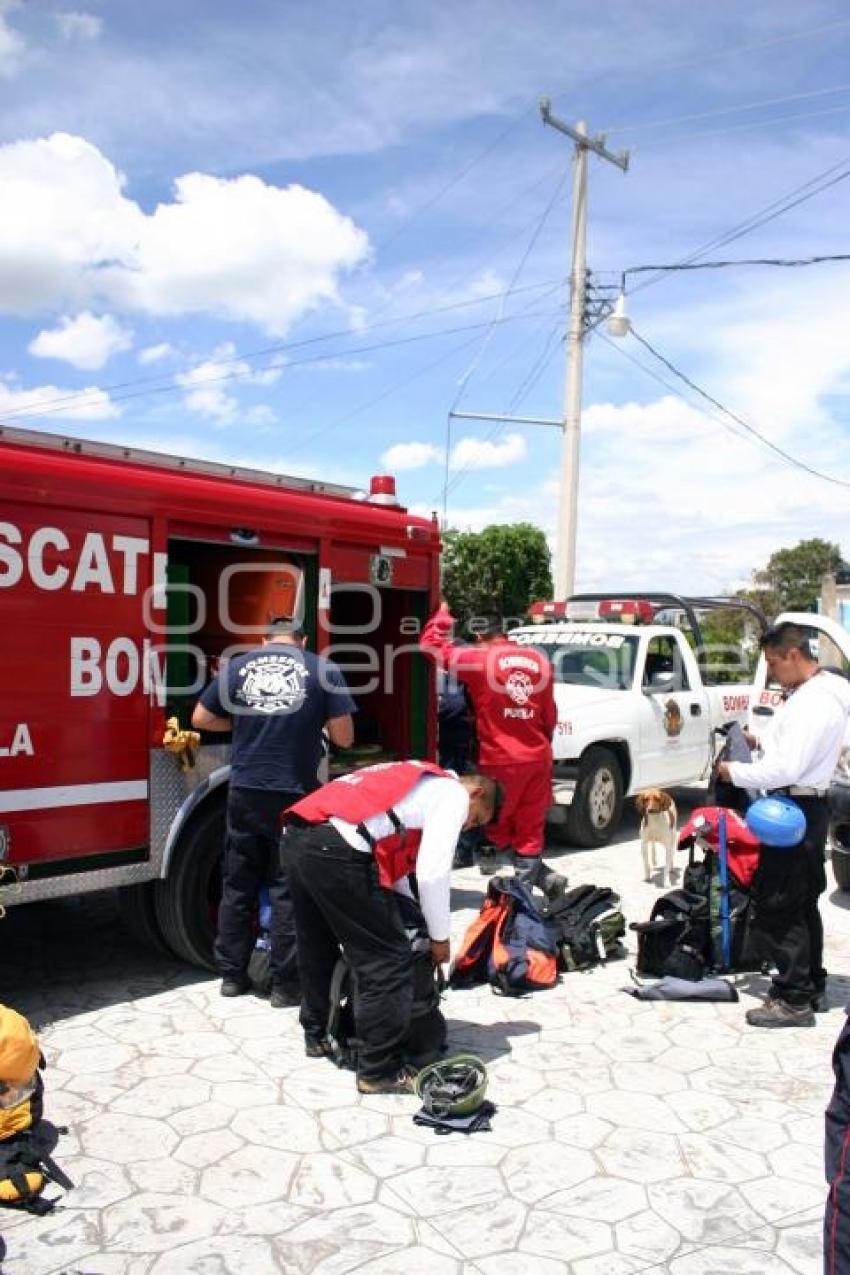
{"x": 219, "y": 220}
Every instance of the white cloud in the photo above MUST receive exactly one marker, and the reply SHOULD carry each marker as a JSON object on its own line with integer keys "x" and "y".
{"x": 207, "y": 386}
{"x": 85, "y": 341}
{"x": 78, "y": 26}
{"x": 238, "y": 248}
{"x": 411, "y": 456}
{"x": 476, "y": 453}
{"x": 155, "y": 353}
{"x": 12, "y": 46}
{"x": 40, "y": 407}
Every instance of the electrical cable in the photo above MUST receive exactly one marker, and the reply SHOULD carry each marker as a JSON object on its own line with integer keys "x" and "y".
{"x": 725, "y": 110}
{"x": 746, "y": 261}
{"x": 750, "y": 429}
{"x": 159, "y": 383}
{"x": 538, "y": 229}
{"x": 766, "y": 213}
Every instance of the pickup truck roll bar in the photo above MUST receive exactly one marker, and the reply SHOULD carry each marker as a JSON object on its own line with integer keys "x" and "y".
{"x": 679, "y": 602}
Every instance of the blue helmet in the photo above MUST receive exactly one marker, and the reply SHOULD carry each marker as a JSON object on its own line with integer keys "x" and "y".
{"x": 777, "y": 822}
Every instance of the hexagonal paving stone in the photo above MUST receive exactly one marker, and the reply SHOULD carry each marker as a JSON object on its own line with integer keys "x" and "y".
{"x": 251, "y": 1175}
{"x": 554, "y": 1104}
{"x": 194, "y": 1045}
{"x": 566, "y": 1238}
{"x": 200, "y": 1119}
{"x": 202, "y": 1149}
{"x": 600, "y": 1200}
{"x": 520, "y": 1264}
{"x": 163, "y": 1176}
{"x": 795, "y": 1162}
{"x": 704, "y": 1212}
{"x": 386, "y": 1156}
{"x": 641, "y": 1157}
{"x": 532, "y": 1171}
{"x": 53, "y": 1244}
{"x": 478, "y": 1229}
{"x": 412, "y": 1261}
{"x": 731, "y": 1261}
{"x": 513, "y": 1083}
{"x": 96, "y": 1182}
{"x": 127, "y": 1139}
{"x": 611, "y": 1264}
{"x": 801, "y": 1245}
{"x": 344, "y": 1238}
{"x": 221, "y": 1068}
{"x": 286, "y": 1128}
{"x": 224, "y": 1254}
{"x": 466, "y": 1153}
{"x": 623, "y": 1110}
{"x": 320, "y": 1087}
{"x": 582, "y": 1131}
{"x": 634, "y": 1045}
{"x": 158, "y": 1098}
{"x": 153, "y": 1223}
{"x": 350, "y": 1127}
{"x": 274, "y": 1217}
{"x": 582, "y": 1081}
{"x": 432, "y": 1191}
{"x": 712, "y": 1157}
{"x": 328, "y": 1182}
{"x": 774, "y": 1198}
{"x": 647, "y": 1237}
{"x": 242, "y": 1095}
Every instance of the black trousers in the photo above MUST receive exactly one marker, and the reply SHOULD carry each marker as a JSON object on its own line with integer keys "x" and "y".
{"x": 251, "y": 859}
{"x": 836, "y": 1228}
{"x": 339, "y": 903}
{"x": 786, "y": 889}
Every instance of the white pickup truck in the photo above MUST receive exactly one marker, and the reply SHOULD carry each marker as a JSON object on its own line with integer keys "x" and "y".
{"x": 635, "y": 709}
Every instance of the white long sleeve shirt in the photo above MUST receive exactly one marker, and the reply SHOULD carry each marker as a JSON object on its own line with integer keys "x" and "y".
{"x": 803, "y": 745}
{"x": 439, "y": 807}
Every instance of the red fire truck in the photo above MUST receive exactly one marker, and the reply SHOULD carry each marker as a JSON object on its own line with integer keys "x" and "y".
{"x": 125, "y": 576}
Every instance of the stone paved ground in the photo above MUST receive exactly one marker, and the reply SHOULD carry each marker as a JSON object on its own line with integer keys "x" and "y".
{"x": 629, "y": 1137}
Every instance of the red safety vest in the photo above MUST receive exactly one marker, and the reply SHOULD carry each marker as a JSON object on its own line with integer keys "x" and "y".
{"x": 364, "y": 794}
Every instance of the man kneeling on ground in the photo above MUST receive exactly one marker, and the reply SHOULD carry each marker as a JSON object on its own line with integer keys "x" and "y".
{"x": 347, "y": 848}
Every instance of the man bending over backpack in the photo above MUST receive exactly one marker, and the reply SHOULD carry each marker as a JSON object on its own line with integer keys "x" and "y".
{"x": 347, "y": 848}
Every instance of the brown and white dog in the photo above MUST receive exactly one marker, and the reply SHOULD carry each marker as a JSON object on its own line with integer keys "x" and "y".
{"x": 658, "y": 817}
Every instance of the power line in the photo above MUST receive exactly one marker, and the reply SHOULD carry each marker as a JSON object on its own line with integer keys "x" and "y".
{"x": 160, "y": 383}
{"x": 750, "y": 429}
{"x": 39, "y": 411}
{"x": 726, "y": 110}
{"x": 745, "y": 261}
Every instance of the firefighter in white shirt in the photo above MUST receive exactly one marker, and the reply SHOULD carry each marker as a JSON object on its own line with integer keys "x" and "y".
{"x": 798, "y": 759}
{"x": 347, "y": 848}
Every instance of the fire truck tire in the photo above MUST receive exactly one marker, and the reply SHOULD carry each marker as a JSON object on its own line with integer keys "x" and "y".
{"x": 187, "y": 900}
{"x": 841, "y": 859}
{"x": 597, "y": 803}
{"x": 137, "y": 910}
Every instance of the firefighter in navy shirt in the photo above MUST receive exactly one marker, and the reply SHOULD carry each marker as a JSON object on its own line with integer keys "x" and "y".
{"x": 276, "y": 699}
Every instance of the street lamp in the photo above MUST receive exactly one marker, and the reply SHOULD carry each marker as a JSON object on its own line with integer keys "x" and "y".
{"x": 619, "y": 323}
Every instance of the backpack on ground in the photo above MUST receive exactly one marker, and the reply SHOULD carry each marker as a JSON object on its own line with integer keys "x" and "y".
{"x": 426, "y": 1041}
{"x": 511, "y": 944}
{"x": 26, "y": 1139}
{"x": 589, "y": 926}
{"x": 683, "y": 936}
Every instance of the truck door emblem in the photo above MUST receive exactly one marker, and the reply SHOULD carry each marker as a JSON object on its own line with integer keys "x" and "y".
{"x": 672, "y": 719}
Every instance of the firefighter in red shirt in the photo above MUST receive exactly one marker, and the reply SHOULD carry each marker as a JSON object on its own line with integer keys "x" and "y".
{"x": 514, "y": 707}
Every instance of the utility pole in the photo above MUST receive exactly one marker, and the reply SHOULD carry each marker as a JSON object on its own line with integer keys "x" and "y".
{"x": 565, "y": 561}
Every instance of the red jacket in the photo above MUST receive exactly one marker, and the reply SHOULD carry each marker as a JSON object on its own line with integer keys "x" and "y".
{"x": 374, "y": 790}
{"x": 511, "y": 691}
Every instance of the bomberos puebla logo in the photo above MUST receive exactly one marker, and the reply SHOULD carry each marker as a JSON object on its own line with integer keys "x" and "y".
{"x": 273, "y": 683}
{"x": 519, "y": 683}
{"x": 673, "y": 721}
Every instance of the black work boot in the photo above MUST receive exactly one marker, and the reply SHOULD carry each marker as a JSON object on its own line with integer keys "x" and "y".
{"x": 235, "y": 985}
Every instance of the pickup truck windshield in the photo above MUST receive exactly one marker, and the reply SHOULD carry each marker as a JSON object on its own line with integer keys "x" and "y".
{"x": 603, "y": 660}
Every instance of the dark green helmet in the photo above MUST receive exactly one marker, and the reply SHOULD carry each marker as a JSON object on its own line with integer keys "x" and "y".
{"x": 454, "y": 1086}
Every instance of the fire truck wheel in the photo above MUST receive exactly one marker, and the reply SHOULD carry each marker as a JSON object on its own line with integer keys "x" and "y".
{"x": 187, "y": 900}
{"x": 841, "y": 856}
{"x": 597, "y": 803}
{"x": 137, "y": 910}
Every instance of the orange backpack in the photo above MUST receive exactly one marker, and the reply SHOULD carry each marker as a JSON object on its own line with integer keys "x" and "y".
{"x": 510, "y": 944}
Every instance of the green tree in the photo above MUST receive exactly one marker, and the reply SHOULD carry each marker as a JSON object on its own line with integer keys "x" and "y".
{"x": 502, "y": 567}
{"x": 791, "y": 581}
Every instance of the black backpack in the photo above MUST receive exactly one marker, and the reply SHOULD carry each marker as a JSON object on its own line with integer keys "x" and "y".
{"x": 589, "y": 926}
{"x": 426, "y": 1041}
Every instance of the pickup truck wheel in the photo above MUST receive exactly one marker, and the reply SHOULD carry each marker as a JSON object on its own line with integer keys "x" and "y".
{"x": 597, "y": 803}
{"x": 187, "y": 900}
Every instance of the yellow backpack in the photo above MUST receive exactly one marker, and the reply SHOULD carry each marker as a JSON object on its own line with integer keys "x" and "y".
{"x": 26, "y": 1140}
